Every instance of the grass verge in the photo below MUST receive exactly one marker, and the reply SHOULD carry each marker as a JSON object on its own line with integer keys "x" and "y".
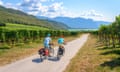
{"x": 95, "y": 57}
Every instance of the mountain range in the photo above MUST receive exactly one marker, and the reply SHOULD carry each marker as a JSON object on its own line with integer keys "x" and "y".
{"x": 78, "y": 22}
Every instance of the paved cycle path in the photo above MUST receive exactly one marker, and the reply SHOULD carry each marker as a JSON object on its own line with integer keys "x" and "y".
{"x": 34, "y": 64}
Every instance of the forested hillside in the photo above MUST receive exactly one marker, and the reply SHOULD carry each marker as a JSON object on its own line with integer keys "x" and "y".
{"x": 8, "y": 15}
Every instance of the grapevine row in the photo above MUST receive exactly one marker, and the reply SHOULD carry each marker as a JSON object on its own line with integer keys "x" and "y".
{"x": 26, "y": 35}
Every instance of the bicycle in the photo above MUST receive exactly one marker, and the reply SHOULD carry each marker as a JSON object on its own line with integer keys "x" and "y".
{"x": 60, "y": 53}
{"x": 45, "y": 52}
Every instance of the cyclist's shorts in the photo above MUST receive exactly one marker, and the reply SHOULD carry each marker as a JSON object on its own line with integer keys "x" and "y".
{"x": 46, "y": 46}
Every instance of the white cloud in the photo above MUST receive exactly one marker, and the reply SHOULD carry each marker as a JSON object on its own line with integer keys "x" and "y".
{"x": 94, "y": 15}
{"x": 29, "y": 1}
{"x": 57, "y": 9}
{"x": 91, "y": 13}
{"x": 44, "y": 0}
{"x": 47, "y": 0}
{"x": 37, "y": 8}
{"x": 56, "y": 6}
{"x": 1, "y": 3}
{"x": 10, "y": 5}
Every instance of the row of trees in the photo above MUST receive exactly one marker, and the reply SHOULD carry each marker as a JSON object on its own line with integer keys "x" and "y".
{"x": 110, "y": 34}
{"x": 25, "y": 35}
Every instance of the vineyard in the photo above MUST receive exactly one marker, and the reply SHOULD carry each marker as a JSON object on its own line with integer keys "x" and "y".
{"x": 110, "y": 35}
{"x": 17, "y": 33}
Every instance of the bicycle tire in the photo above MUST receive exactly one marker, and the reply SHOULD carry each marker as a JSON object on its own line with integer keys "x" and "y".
{"x": 52, "y": 52}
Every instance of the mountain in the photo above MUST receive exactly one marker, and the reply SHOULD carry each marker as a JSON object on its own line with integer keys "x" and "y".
{"x": 8, "y": 15}
{"x": 80, "y": 22}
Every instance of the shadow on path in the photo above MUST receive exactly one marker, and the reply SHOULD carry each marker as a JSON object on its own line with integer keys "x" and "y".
{"x": 53, "y": 59}
{"x": 37, "y": 60}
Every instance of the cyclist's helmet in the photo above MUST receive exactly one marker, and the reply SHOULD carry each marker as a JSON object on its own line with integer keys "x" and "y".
{"x": 48, "y": 35}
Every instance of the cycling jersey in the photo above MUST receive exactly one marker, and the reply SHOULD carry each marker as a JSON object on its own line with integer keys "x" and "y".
{"x": 46, "y": 42}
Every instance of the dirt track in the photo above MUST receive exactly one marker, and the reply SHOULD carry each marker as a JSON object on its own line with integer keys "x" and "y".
{"x": 33, "y": 63}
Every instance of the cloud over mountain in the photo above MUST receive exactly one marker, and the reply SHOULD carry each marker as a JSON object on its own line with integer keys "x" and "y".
{"x": 93, "y": 14}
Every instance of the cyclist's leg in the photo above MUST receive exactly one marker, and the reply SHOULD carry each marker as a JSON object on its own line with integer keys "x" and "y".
{"x": 62, "y": 49}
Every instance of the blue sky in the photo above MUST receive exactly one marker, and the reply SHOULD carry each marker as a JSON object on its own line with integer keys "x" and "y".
{"x": 104, "y": 10}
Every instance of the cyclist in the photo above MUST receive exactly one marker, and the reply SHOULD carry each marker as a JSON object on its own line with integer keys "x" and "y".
{"x": 61, "y": 47}
{"x": 47, "y": 41}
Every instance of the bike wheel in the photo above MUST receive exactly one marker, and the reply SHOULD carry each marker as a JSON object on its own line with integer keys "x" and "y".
{"x": 59, "y": 54}
{"x": 41, "y": 58}
{"x": 52, "y": 52}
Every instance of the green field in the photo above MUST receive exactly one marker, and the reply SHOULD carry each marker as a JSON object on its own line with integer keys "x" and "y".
{"x": 12, "y": 26}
